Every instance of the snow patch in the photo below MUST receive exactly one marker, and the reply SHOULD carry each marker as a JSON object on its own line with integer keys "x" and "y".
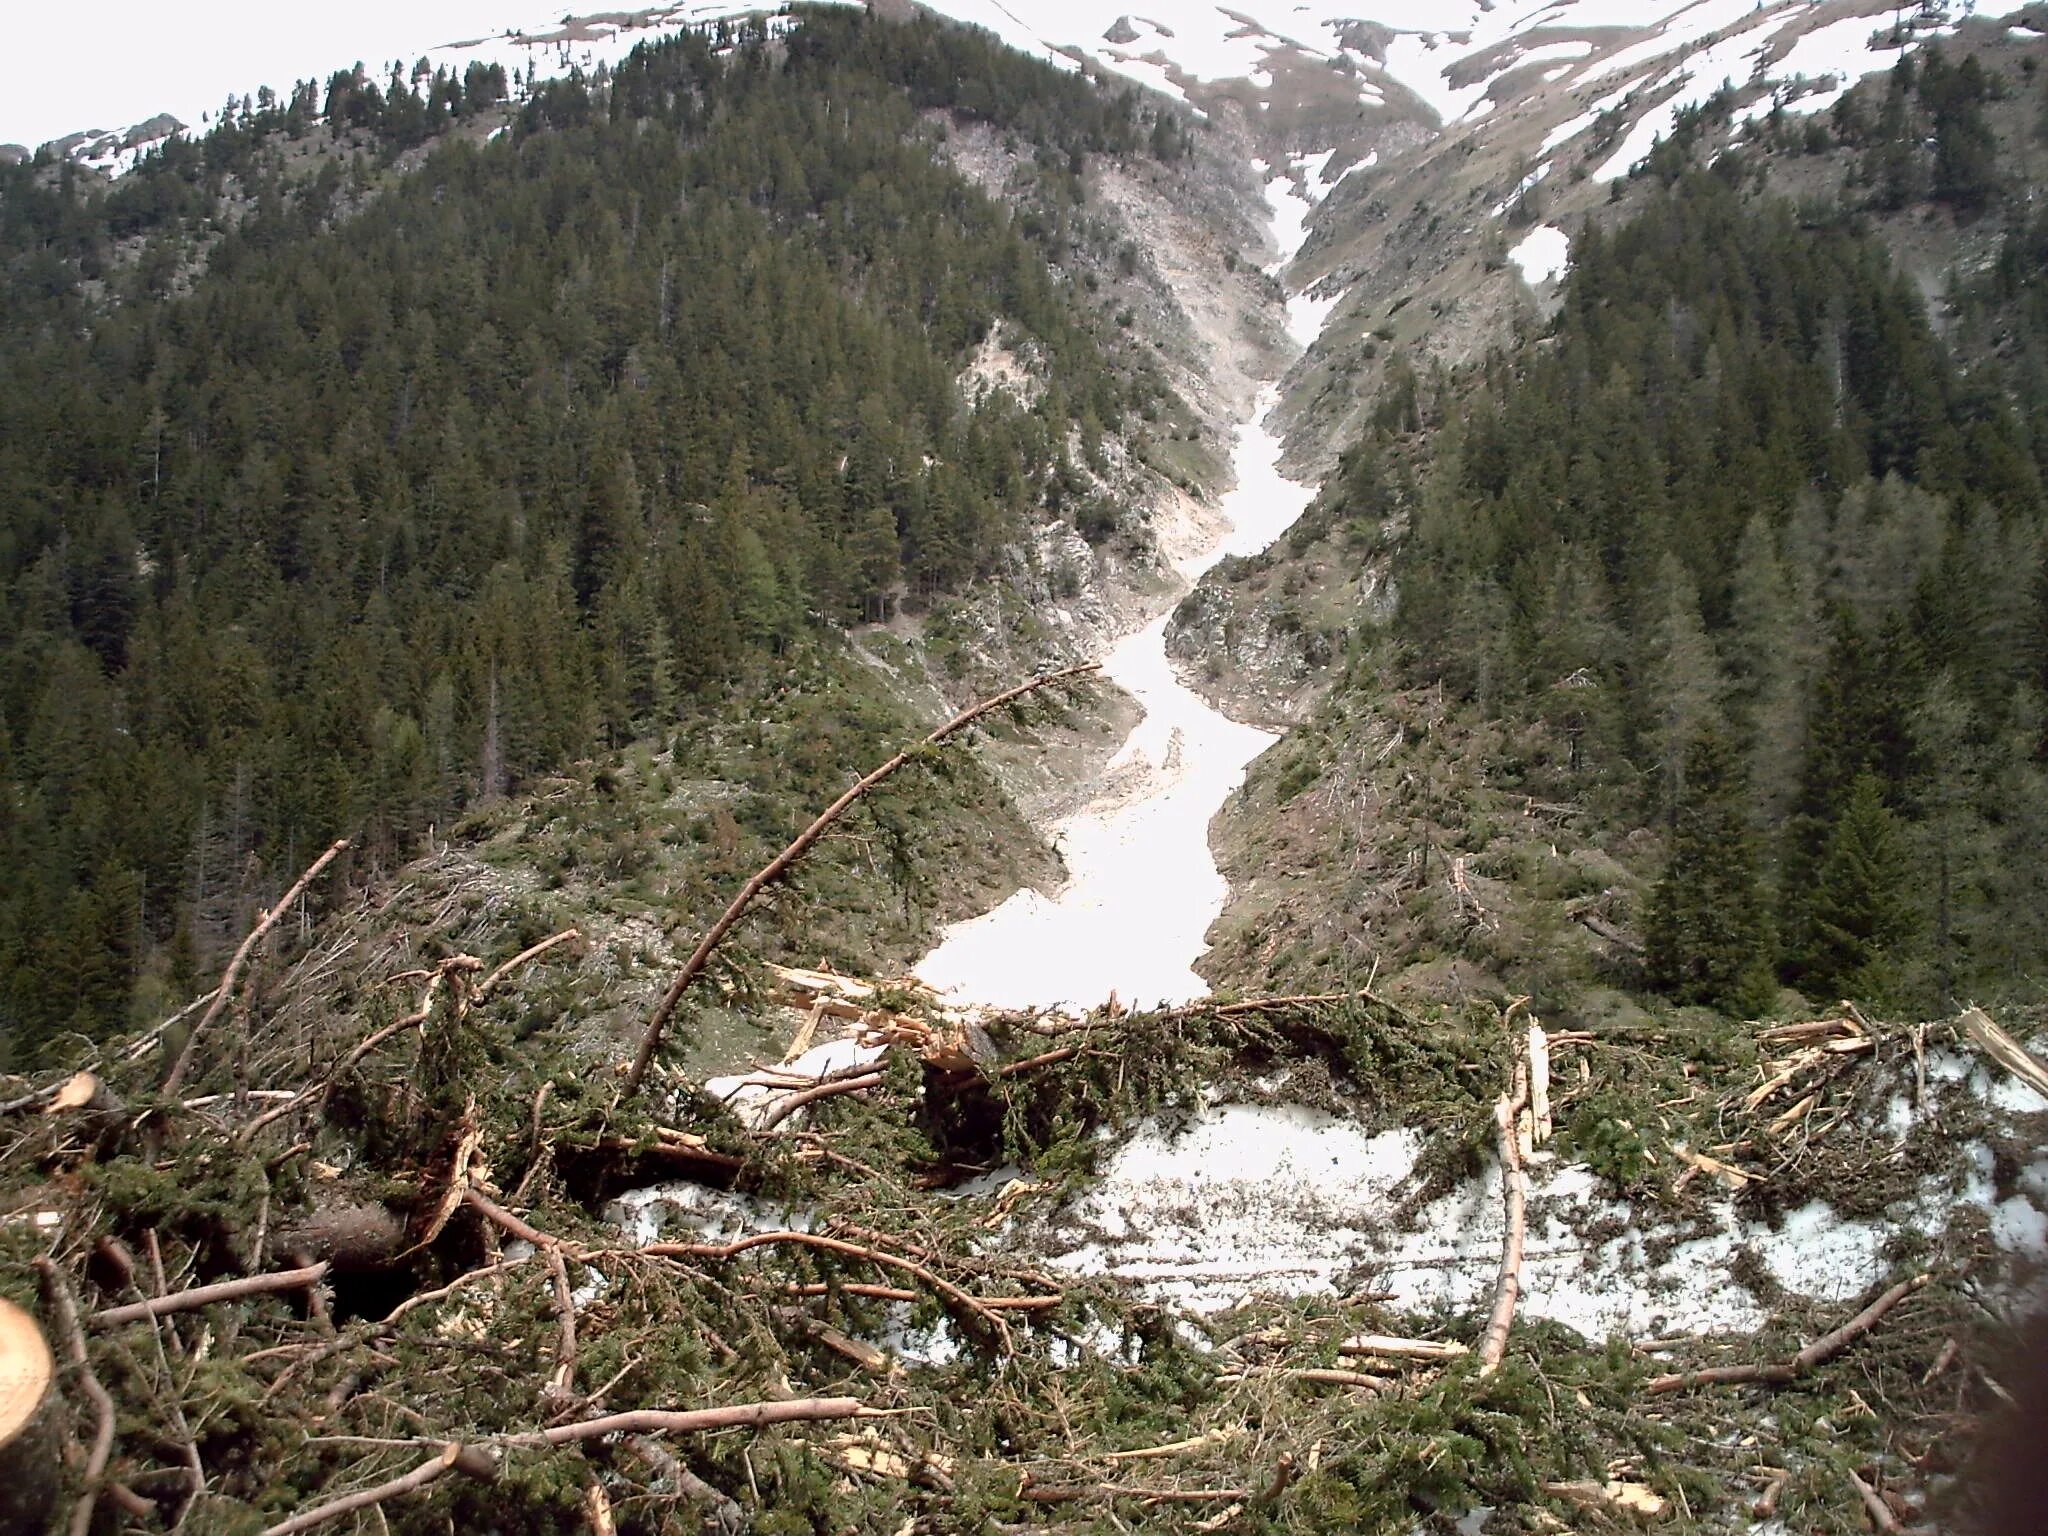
{"x": 1541, "y": 255}
{"x": 1143, "y": 886}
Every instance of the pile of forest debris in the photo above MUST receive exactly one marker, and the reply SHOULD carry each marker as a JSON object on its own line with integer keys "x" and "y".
{"x": 356, "y": 1240}
{"x": 371, "y": 1265}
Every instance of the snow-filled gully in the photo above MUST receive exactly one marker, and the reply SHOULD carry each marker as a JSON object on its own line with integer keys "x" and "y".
{"x": 1143, "y": 886}
{"x": 1240, "y": 1200}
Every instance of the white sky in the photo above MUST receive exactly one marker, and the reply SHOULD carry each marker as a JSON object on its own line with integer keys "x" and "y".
{"x": 116, "y": 62}
{"x": 112, "y": 63}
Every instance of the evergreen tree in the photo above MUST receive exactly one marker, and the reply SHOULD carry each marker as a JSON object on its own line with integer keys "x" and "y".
{"x": 1684, "y": 683}
{"x": 1861, "y": 914}
{"x": 1707, "y": 931}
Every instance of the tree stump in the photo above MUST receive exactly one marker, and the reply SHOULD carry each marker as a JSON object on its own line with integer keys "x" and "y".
{"x": 29, "y": 1459}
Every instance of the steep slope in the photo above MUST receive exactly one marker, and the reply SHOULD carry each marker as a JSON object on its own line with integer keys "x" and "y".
{"x": 383, "y": 452}
{"x": 1749, "y": 475}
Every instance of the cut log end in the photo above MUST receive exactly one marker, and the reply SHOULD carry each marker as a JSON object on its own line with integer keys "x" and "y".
{"x": 29, "y": 1459}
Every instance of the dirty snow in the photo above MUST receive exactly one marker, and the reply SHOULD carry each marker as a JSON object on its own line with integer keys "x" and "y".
{"x": 1143, "y": 886}
{"x": 1243, "y": 1201}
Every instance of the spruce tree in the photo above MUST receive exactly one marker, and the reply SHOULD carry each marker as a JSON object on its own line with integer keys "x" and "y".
{"x": 1707, "y": 933}
{"x": 1861, "y": 913}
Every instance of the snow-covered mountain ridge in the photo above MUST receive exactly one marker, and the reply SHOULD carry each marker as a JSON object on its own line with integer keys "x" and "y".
{"x": 1457, "y": 62}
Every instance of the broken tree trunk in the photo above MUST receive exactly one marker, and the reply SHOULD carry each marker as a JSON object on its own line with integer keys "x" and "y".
{"x": 2006, "y": 1051}
{"x": 1514, "y": 1183}
{"x": 29, "y": 1460}
{"x": 775, "y": 868}
{"x": 1539, "y": 1084}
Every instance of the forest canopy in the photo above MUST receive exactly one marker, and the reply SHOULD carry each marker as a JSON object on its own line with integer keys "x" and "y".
{"x": 334, "y": 493}
{"x": 1743, "y": 526}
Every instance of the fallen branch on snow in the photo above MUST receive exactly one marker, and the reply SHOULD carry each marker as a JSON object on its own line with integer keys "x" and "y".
{"x": 1514, "y": 1184}
{"x": 1778, "y": 1372}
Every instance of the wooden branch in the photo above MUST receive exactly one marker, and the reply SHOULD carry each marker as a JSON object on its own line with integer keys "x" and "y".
{"x": 877, "y": 1292}
{"x": 65, "y": 1307}
{"x": 466, "y": 1459}
{"x": 562, "y": 1381}
{"x": 485, "y": 1206}
{"x": 1042, "y": 1059}
{"x": 773, "y": 870}
{"x": 899, "y": 1293}
{"x": 1778, "y": 1372}
{"x": 1402, "y": 1349}
{"x": 436, "y": 979}
{"x": 1283, "y": 1474}
{"x": 789, "y": 1104}
{"x": 207, "y": 1295}
{"x": 663, "y": 1421}
{"x": 1539, "y": 1084}
{"x": 233, "y": 973}
{"x": 1327, "y": 1376}
{"x": 971, "y": 1305}
{"x": 1514, "y": 1183}
{"x": 531, "y": 953}
{"x": 1074, "y": 1493}
{"x": 1173, "y": 1448}
{"x": 1600, "y": 928}
{"x": 1882, "y": 1520}
{"x": 878, "y": 1362}
{"x": 2006, "y": 1051}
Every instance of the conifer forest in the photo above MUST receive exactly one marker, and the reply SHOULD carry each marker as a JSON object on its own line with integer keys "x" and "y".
{"x": 864, "y": 768}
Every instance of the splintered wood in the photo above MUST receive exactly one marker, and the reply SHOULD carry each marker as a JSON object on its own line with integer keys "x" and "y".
{"x": 952, "y": 1044}
{"x": 1509, "y": 1120}
{"x": 1994, "y": 1042}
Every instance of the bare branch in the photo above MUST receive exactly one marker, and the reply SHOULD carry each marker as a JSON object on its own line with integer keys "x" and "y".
{"x": 233, "y": 973}
{"x": 775, "y": 868}
{"x": 1777, "y": 1372}
{"x": 207, "y": 1295}
{"x": 65, "y": 1306}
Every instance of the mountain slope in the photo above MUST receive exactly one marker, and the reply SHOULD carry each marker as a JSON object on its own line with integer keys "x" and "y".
{"x": 361, "y": 462}
{"x": 1744, "y": 486}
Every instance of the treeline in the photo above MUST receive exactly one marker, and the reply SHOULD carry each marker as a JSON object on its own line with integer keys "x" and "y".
{"x": 1741, "y": 529}
{"x": 432, "y": 482}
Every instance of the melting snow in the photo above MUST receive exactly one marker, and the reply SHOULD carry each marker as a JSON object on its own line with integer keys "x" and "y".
{"x": 1143, "y": 887}
{"x": 1541, "y": 254}
{"x": 129, "y": 79}
{"x": 1243, "y": 1200}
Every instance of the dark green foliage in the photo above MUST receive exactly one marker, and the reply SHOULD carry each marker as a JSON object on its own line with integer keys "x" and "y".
{"x": 1707, "y": 932}
{"x": 1744, "y": 489}
{"x": 1861, "y": 910}
{"x": 397, "y": 488}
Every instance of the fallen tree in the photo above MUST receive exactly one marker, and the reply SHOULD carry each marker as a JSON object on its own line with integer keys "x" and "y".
{"x": 775, "y": 868}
